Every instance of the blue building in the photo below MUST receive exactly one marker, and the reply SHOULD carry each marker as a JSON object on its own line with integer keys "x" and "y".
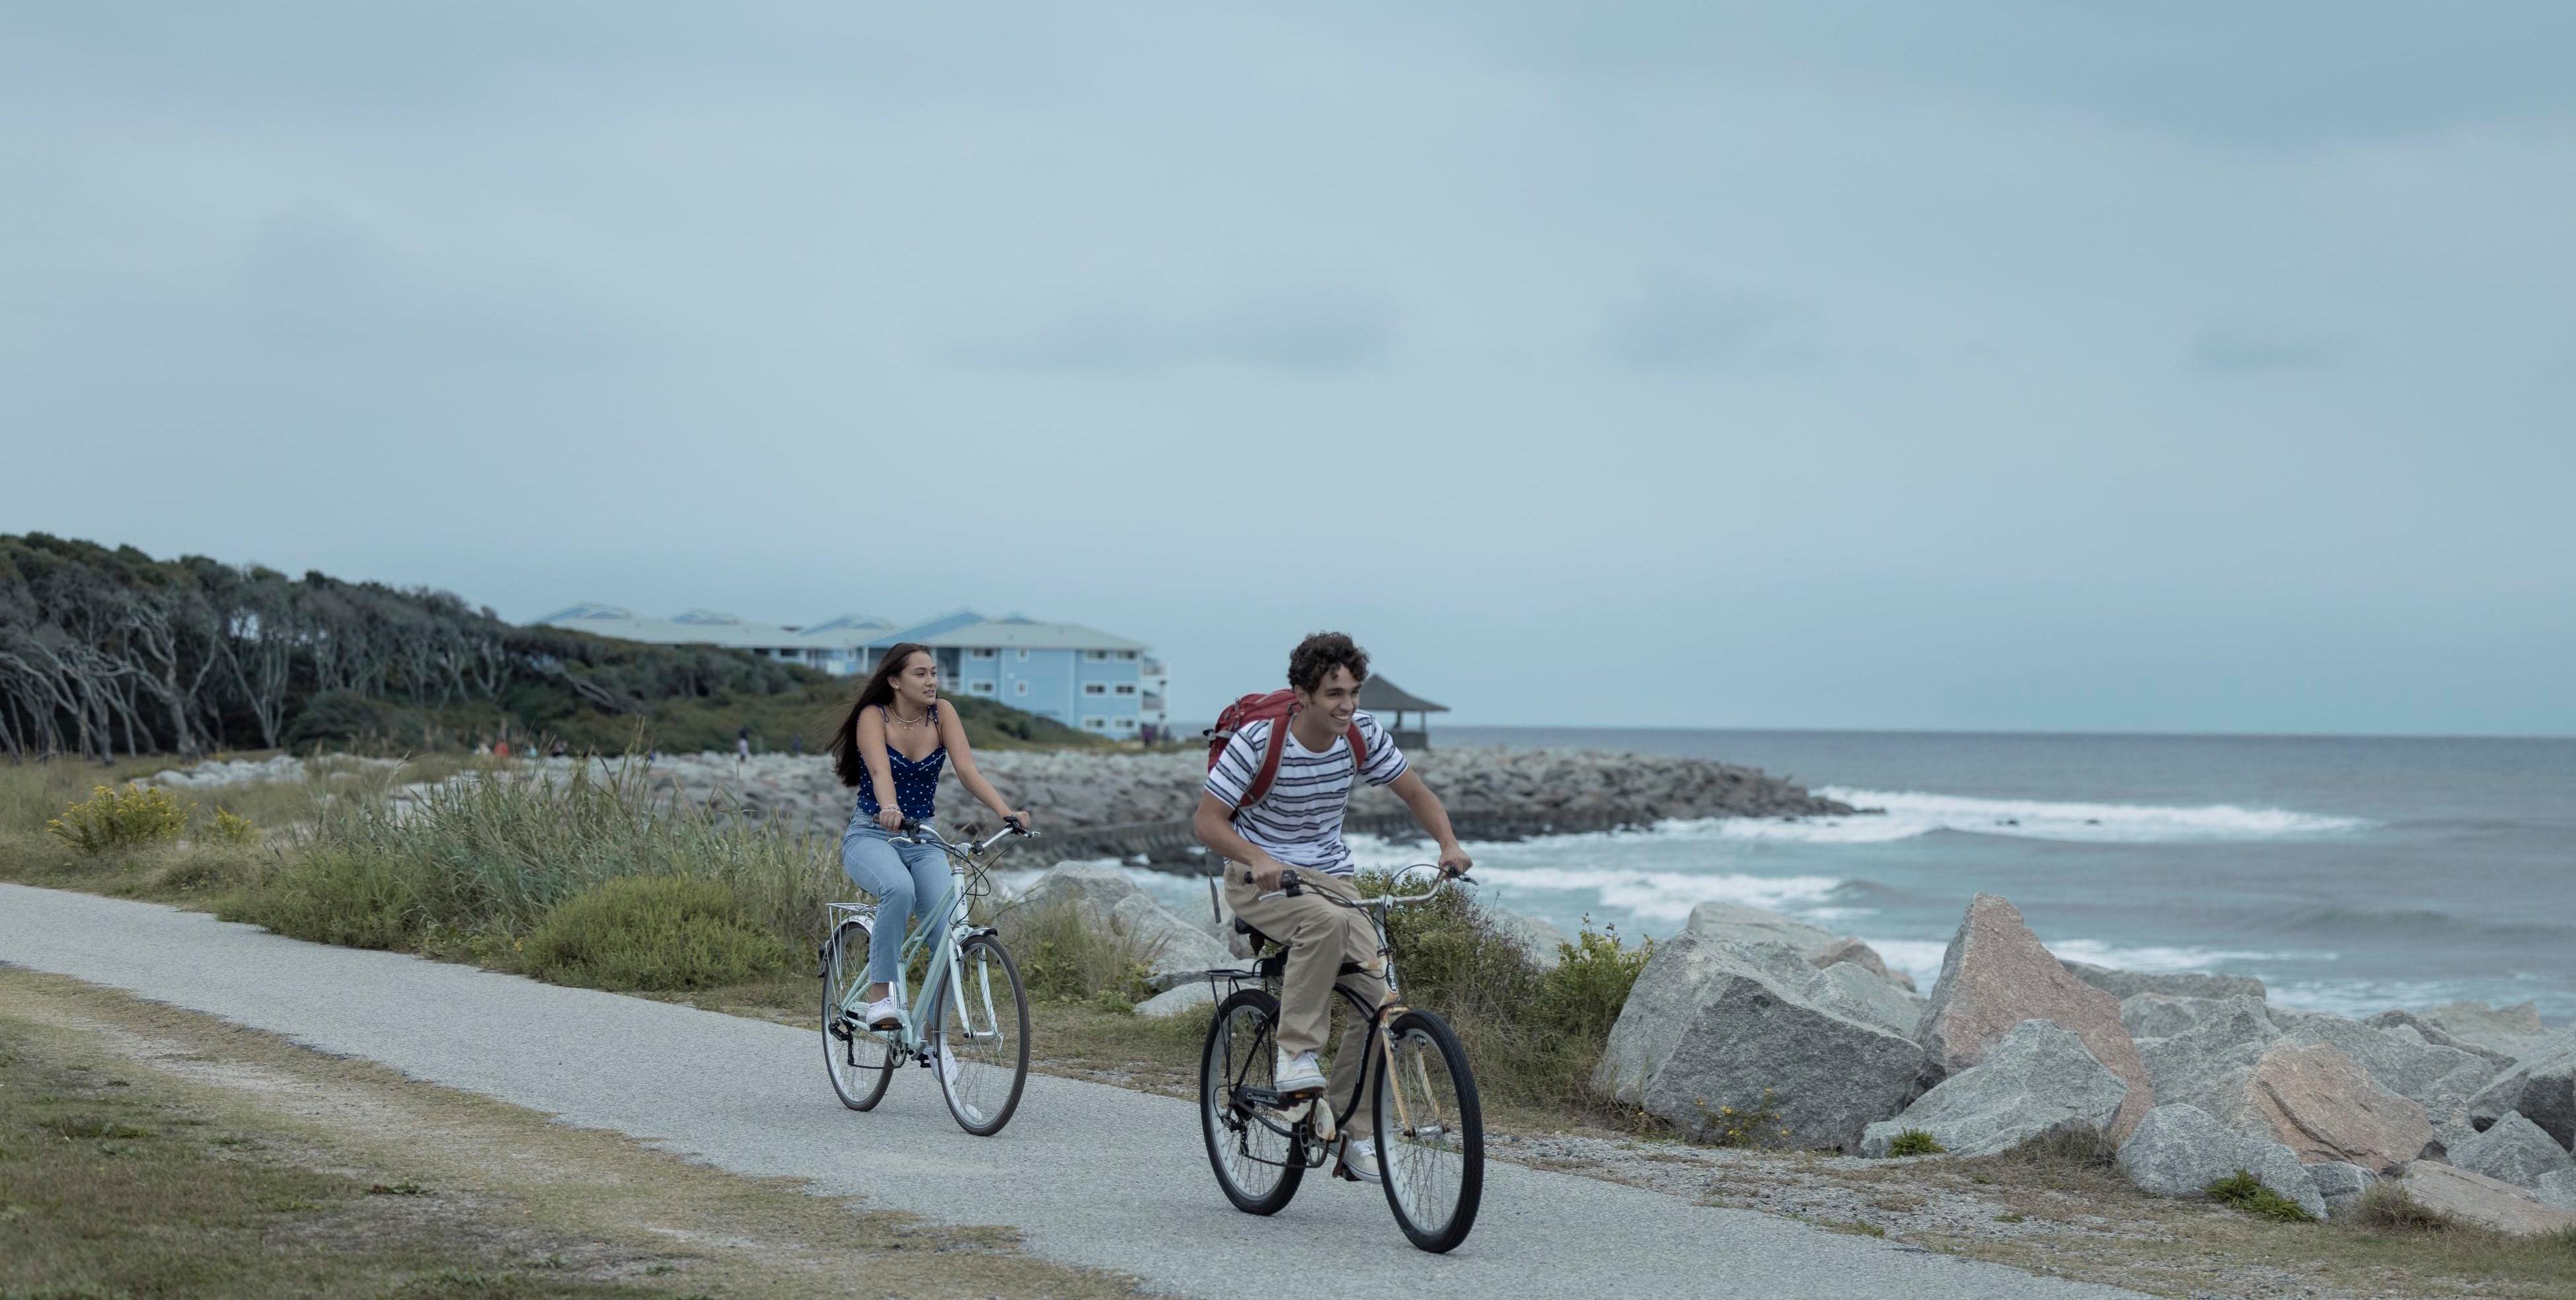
{"x": 1079, "y": 676}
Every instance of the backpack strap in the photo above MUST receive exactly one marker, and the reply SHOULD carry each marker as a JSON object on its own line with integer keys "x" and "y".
{"x": 1269, "y": 772}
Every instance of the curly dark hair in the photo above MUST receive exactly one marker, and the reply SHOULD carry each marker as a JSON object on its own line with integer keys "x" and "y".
{"x": 1317, "y": 656}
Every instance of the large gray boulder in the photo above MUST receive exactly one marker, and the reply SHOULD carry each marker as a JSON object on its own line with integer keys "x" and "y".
{"x": 1178, "y": 1000}
{"x": 2543, "y": 1088}
{"x": 2125, "y": 984}
{"x": 2484, "y": 1201}
{"x": 2558, "y": 1190}
{"x": 1862, "y": 955}
{"x": 1536, "y": 938}
{"x": 1174, "y": 951}
{"x": 2162, "y": 1015}
{"x": 1849, "y": 989}
{"x": 1995, "y": 975}
{"x": 2414, "y": 1028}
{"x": 2037, "y": 1080}
{"x": 2178, "y": 1150}
{"x": 1711, "y": 1024}
{"x": 2515, "y": 1032}
{"x": 2513, "y": 1150}
{"x": 2340, "y": 1184}
{"x": 1736, "y": 923}
{"x": 2224, "y": 1034}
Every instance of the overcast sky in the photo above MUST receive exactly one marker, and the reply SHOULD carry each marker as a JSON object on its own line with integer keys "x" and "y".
{"x": 2050, "y": 365}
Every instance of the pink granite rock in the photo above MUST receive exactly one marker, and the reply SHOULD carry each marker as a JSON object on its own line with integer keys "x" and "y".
{"x": 2481, "y": 1200}
{"x": 2322, "y": 1105}
{"x": 1997, "y": 975}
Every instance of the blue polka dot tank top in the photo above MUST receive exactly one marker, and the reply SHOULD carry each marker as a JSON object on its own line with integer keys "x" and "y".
{"x": 916, "y": 781}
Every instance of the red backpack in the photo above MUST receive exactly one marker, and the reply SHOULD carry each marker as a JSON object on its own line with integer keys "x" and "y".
{"x": 1276, "y": 708}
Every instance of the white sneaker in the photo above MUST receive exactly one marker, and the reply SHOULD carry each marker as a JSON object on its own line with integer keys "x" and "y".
{"x": 1359, "y": 1159}
{"x": 948, "y": 1071}
{"x": 1298, "y": 1073}
{"x": 881, "y": 1014}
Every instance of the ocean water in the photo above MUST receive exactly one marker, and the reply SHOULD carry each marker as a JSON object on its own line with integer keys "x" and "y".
{"x": 2351, "y": 874}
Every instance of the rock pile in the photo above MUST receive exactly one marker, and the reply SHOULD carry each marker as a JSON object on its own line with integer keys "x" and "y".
{"x": 1499, "y": 792}
{"x": 2191, "y": 1077}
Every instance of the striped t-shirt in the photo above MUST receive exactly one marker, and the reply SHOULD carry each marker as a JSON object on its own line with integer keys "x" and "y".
{"x": 1300, "y": 821}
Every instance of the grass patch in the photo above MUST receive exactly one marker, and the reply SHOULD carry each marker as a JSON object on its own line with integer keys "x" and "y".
{"x": 652, "y": 932}
{"x": 1065, "y": 957}
{"x": 2247, "y": 1193}
{"x": 1915, "y": 1142}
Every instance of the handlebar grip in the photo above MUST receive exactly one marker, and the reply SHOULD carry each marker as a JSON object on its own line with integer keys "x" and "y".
{"x": 909, "y": 827}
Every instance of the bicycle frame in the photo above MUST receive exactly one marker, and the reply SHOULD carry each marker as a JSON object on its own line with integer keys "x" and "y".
{"x": 944, "y": 935}
{"x": 1380, "y": 1044}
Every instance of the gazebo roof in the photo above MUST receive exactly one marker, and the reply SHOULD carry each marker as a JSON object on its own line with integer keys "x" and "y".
{"x": 1379, "y": 694}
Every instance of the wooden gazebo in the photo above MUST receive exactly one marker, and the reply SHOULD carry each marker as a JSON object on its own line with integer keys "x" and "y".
{"x": 1384, "y": 698}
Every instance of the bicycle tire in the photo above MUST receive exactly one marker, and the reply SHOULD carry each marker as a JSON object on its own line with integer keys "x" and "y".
{"x": 985, "y": 1121}
{"x": 1452, "y": 1134}
{"x": 1230, "y": 1056}
{"x": 843, "y": 1058}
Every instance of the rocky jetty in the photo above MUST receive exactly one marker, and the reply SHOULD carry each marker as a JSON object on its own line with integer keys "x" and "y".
{"x": 1079, "y": 795}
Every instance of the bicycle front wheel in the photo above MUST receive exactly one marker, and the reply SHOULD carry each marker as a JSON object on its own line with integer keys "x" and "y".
{"x": 1430, "y": 1133}
{"x": 860, "y": 1063}
{"x": 982, "y": 1055}
{"x": 1256, "y": 1154}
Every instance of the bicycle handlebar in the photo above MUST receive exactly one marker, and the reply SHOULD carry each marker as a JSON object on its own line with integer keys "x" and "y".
{"x": 917, "y": 832}
{"x": 1291, "y": 885}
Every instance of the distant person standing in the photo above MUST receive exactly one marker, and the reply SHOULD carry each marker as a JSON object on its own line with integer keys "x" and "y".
{"x": 742, "y": 745}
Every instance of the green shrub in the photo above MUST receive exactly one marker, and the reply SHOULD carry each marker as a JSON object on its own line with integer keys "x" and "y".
{"x": 331, "y": 895}
{"x": 2386, "y": 1206}
{"x": 231, "y": 828}
{"x": 1065, "y": 956}
{"x": 653, "y": 932}
{"x": 2247, "y": 1193}
{"x": 1915, "y": 1142}
{"x": 121, "y": 817}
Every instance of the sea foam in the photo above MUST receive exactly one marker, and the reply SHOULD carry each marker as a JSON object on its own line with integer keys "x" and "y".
{"x": 1904, "y": 814}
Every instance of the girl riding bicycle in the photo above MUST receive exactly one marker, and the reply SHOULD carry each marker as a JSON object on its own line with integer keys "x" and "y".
{"x": 890, "y": 749}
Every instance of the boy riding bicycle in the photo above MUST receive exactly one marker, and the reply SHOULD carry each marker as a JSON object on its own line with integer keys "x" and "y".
{"x": 1294, "y": 820}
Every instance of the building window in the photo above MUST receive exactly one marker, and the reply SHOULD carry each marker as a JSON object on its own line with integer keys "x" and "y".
{"x": 1095, "y": 722}
{"x": 1095, "y": 688}
{"x": 1096, "y": 656}
{"x": 982, "y": 652}
{"x": 1019, "y": 688}
{"x": 979, "y": 688}
{"x": 1126, "y": 688}
{"x": 1126, "y": 654}
{"x": 1125, "y": 724}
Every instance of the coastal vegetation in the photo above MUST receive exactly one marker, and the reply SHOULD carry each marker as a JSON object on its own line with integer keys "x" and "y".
{"x": 111, "y": 653}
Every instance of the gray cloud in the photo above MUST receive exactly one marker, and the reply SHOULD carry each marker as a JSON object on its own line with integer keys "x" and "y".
{"x": 1680, "y": 325}
{"x": 2239, "y": 347}
{"x": 1309, "y": 333}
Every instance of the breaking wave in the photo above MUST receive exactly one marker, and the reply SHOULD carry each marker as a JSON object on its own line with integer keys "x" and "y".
{"x": 1903, "y": 815}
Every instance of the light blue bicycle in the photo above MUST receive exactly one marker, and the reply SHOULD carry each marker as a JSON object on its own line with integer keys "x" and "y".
{"x": 970, "y": 1023}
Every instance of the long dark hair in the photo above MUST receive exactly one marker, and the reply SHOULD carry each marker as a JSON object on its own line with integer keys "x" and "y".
{"x": 877, "y": 691}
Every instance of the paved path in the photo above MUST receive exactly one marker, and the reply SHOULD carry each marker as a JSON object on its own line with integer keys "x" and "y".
{"x": 1093, "y": 1174}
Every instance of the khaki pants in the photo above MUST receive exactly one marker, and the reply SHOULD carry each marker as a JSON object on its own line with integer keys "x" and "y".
{"x": 1320, "y": 936}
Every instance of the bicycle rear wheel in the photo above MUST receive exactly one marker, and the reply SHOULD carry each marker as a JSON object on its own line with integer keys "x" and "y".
{"x": 1430, "y": 1133}
{"x": 860, "y": 1063}
{"x": 1257, "y": 1157}
{"x": 982, "y": 1058}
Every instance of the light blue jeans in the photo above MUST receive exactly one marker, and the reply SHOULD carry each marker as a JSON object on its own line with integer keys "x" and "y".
{"x": 907, "y": 879}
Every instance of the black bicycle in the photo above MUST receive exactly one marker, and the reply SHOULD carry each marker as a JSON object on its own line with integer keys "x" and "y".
{"x": 1414, "y": 1076}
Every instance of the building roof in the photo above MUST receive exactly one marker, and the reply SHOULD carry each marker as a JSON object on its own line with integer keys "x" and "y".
{"x": 1029, "y": 634}
{"x": 958, "y": 628}
{"x": 1377, "y": 694}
